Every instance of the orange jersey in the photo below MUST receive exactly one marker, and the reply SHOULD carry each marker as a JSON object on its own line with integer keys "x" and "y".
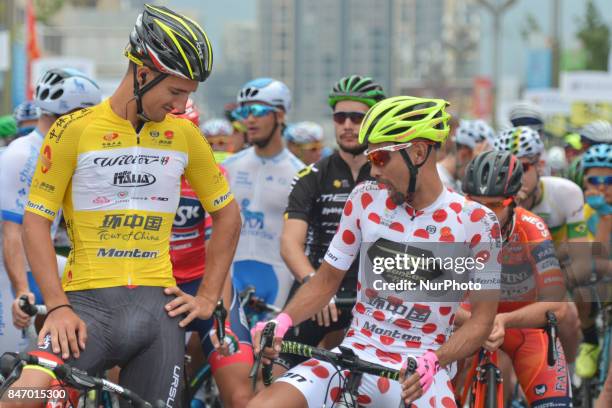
{"x": 529, "y": 262}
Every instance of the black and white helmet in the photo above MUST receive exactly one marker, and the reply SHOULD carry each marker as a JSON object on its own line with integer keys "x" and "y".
{"x": 525, "y": 113}
{"x": 471, "y": 132}
{"x": 521, "y": 141}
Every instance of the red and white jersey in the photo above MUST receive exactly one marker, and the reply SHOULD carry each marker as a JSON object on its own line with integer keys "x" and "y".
{"x": 387, "y": 327}
{"x": 187, "y": 244}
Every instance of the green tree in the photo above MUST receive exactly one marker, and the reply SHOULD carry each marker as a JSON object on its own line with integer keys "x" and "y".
{"x": 530, "y": 26}
{"x": 594, "y": 34}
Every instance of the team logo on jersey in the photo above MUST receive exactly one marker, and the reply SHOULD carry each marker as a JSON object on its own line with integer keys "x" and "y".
{"x": 337, "y": 183}
{"x": 45, "y": 159}
{"x": 100, "y": 200}
{"x": 129, "y": 159}
{"x": 431, "y": 229}
{"x": 109, "y": 137}
{"x": 189, "y": 213}
{"x": 252, "y": 219}
{"x": 168, "y": 134}
{"x": 129, "y": 178}
{"x": 539, "y": 389}
{"x": 154, "y": 133}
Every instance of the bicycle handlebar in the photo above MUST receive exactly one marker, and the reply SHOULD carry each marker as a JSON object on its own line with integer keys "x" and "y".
{"x": 11, "y": 365}
{"x": 552, "y": 353}
{"x": 30, "y": 309}
{"x": 219, "y": 316}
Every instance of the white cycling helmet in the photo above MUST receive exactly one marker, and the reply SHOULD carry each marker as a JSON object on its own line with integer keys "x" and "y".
{"x": 217, "y": 127}
{"x": 266, "y": 90}
{"x": 304, "y": 133}
{"x": 521, "y": 141}
{"x": 525, "y": 113}
{"x": 555, "y": 158}
{"x": 599, "y": 131}
{"x": 60, "y": 91}
{"x": 471, "y": 132}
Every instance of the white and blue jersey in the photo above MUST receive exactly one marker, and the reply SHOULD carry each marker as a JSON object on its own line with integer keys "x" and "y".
{"x": 261, "y": 186}
{"x": 16, "y": 170}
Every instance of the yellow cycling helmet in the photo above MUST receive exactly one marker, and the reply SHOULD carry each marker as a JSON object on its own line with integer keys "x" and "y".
{"x": 401, "y": 119}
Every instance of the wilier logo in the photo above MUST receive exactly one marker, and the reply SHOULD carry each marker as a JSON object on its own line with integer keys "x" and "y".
{"x": 130, "y": 179}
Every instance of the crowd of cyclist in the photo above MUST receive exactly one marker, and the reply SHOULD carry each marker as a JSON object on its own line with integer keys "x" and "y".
{"x": 298, "y": 202}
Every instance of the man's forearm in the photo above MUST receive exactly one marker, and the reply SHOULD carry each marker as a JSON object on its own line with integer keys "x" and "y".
{"x": 220, "y": 250}
{"x": 534, "y": 315}
{"x": 315, "y": 294}
{"x": 14, "y": 257}
{"x": 41, "y": 257}
{"x": 295, "y": 258}
{"x": 469, "y": 337}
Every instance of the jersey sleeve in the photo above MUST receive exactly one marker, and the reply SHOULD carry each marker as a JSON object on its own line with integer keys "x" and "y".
{"x": 573, "y": 201}
{"x": 346, "y": 243}
{"x": 542, "y": 250}
{"x": 203, "y": 173}
{"x": 13, "y": 184}
{"x": 484, "y": 234}
{"x": 303, "y": 194}
{"x": 56, "y": 164}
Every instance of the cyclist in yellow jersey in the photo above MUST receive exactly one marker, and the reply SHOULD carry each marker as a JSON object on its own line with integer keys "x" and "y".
{"x": 116, "y": 170}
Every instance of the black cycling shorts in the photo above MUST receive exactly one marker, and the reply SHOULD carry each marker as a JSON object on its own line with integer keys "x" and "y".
{"x": 130, "y": 328}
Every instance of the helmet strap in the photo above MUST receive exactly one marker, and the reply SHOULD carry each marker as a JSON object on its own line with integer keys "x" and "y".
{"x": 508, "y": 226}
{"x": 139, "y": 92}
{"x": 414, "y": 171}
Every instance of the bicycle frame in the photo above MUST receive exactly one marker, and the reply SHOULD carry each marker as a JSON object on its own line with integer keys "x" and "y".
{"x": 482, "y": 374}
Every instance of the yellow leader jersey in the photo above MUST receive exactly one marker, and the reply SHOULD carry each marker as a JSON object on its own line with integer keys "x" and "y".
{"x": 119, "y": 191}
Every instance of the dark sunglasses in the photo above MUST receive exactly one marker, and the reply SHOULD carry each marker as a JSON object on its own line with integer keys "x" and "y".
{"x": 243, "y": 112}
{"x": 355, "y": 117}
{"x": 600, "y": 180}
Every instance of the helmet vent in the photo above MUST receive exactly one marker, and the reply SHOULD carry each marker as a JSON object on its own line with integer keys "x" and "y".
{"x": 57, "y": 94}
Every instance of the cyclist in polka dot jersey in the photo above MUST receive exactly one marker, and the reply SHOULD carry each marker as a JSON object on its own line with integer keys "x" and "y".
{"x": 403, "y": 134}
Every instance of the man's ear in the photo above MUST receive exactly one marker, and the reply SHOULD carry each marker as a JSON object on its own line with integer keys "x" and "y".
{"x": 280, "y": 116}
{"x": 142, "y": 73}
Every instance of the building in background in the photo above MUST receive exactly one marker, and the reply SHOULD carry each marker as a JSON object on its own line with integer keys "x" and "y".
{"x": 424, "y": 47}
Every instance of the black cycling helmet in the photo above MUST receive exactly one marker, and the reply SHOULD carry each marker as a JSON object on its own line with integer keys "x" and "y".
{"x": 356, "y": 88}
{"x": 170, "y": 44}
{"x": 493, "y": 174}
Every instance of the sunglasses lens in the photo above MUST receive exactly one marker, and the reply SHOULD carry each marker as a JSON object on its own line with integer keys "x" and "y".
{"x": 380, "y": 158}
{"x": 356, "y": 117}
{"x": 599, "y": 180}
{"x": 339, "y": 117}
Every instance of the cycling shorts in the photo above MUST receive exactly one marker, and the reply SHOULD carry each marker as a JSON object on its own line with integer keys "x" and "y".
{"x": 543, "y": 386}
{"x": 129, "y": 327}
{"x": 238, "y": 326}
{"x": 320, "y": 383}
